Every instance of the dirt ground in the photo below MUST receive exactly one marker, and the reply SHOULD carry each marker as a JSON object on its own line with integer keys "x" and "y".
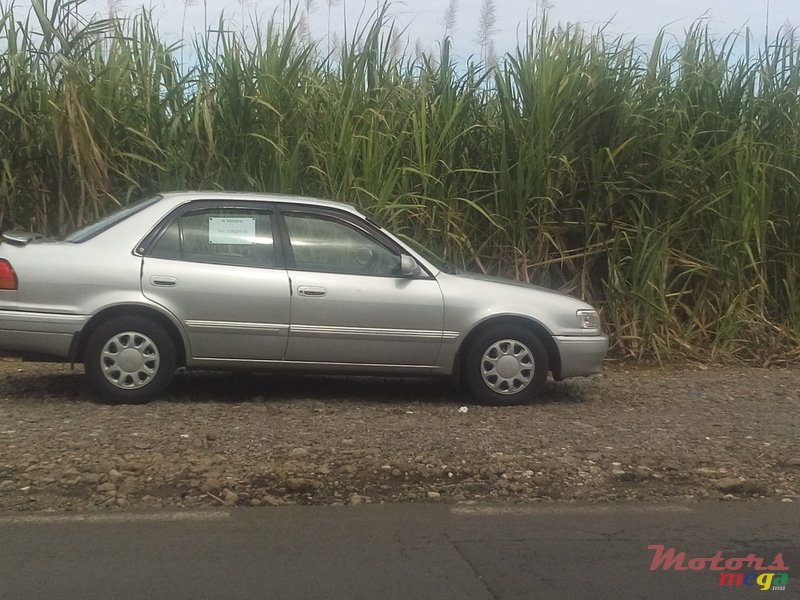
{"x": 636, "y": 432}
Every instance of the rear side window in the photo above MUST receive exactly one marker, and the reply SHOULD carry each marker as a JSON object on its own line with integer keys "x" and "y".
{"x": 228, "y": 236}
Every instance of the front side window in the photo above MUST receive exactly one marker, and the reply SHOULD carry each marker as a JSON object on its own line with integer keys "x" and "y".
{"x": 320, "y": 243}
{"x": 229, "y": 236}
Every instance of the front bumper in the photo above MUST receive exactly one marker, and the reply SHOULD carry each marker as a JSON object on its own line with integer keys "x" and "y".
{"x": 581, "y": 355}
{"x": 48, "y": 334}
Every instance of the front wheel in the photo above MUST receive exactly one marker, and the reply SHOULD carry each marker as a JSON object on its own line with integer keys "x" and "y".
{"x": 129, "y": 359}
{"x": 506, "y": 365}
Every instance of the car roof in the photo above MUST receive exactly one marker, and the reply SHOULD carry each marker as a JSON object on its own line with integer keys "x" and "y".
{"x": 183, "y": 196}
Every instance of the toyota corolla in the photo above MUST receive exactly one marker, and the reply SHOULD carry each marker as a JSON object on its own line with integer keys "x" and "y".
{"x": 208, "y": 280}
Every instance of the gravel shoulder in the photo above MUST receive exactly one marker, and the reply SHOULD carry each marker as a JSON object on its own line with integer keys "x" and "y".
{"x": 633, "y": 433}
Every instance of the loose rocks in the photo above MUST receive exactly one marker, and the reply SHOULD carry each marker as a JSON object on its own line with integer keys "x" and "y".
{"x": 634, "y": 433}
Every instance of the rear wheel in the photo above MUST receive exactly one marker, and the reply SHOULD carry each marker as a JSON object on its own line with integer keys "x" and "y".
{"x": 129, "y": 359}
{"x": 506, "y": 365}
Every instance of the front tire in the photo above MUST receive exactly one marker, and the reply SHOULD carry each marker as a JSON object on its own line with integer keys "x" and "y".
{"x": 129, "y": 360}
{"x": 506, "y": 365}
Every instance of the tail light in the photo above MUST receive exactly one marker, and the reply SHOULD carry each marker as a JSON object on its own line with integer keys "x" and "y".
{"x": 8, "y": 277}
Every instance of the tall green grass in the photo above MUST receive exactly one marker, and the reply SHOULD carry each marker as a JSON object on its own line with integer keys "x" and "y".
{"x": 659, "y": 183}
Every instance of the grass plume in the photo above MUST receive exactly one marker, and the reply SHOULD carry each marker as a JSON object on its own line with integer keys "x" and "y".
{"x": 662, "y": 185}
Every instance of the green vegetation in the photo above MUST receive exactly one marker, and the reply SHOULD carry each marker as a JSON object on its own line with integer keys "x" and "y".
{"x": 661, "y": 185}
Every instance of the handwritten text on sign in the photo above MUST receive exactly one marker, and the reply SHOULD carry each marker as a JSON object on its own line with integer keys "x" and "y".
{"x": 229, "y": 230}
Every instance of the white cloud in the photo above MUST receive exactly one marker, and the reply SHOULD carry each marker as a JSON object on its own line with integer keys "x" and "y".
{"x": 424, "y": 19}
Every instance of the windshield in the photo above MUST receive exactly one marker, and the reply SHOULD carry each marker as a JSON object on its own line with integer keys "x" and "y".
{"x": 93, "y": 229}
{"x": 429, "y": 255}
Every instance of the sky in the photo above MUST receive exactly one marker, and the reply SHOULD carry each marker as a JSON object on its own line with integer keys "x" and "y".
{"x": 424, "y": 20}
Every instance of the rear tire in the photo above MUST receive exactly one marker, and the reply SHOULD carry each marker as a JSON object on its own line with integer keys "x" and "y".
{"x": 129, "y": 360}
{"x": 506, "y": 365}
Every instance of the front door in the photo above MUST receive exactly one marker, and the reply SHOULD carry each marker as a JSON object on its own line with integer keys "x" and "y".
{"x": 349, "y": 303}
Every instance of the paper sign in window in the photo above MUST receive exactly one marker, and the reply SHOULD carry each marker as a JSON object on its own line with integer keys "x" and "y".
{"x": 230, "y": 230}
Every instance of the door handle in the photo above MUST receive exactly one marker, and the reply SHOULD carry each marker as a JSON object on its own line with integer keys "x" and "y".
{"x": 163, "y": 281}
{"x": 311, "y": 291}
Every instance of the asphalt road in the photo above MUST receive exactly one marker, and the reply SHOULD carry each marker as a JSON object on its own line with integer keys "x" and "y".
{"x": 402, "y": 551}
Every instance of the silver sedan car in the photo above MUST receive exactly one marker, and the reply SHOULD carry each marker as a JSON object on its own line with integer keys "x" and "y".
{"x": 221, "y": 281}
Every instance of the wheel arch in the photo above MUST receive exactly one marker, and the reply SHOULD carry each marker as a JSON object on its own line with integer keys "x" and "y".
{"x": 539, "y": 330}
{"x": 128, "y": 310}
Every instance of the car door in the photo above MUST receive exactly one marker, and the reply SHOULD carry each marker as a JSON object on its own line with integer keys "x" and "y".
{"x": 349, "y": 303}
{"x": 218, "y": 270}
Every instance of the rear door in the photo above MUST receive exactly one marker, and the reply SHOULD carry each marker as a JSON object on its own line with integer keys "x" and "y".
{"x": 349, "y": 304}
{"x": 217, "y": 269}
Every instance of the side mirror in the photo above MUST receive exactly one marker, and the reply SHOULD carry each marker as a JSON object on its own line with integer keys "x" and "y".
{"x": 409, "y": 267}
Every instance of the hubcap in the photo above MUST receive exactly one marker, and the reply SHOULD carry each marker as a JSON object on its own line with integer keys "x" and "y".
{"x": 129, "y": 360}
{"x": 507, "y": 367}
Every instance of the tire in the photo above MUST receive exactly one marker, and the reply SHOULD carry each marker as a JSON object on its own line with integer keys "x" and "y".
{"x": 517, "y": 379}
{"x": 143, "y": 372}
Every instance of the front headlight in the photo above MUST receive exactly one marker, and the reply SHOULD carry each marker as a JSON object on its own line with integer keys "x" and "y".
{"x": 588, "y": 319}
